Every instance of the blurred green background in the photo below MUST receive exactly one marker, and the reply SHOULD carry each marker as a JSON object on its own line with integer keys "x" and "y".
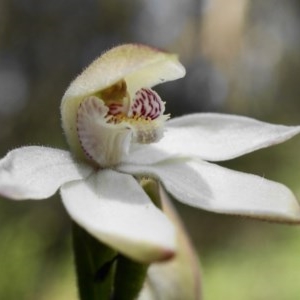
{"x": 242, "y": 57}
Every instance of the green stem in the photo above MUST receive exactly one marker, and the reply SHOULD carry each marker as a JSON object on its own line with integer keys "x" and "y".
{"x": 101, "y": 272}
{"x": 129, "y": 279}
{"x": 94, "y": 266}
{"x": 151, "y": 187}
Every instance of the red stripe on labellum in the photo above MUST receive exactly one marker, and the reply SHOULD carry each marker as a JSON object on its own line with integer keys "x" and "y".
{"x": 147, "y": 104}
{"x": 115, "y": 108}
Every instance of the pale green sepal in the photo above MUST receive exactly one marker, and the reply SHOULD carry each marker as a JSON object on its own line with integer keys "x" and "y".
{"x": 179, "y": 278}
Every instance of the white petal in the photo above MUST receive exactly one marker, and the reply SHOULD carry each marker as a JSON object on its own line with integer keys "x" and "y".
{"x": 37, "y": 172}
{"x": 213, "y": 137}
{"x": 221, "y": 190}
{"x": 114, "y": 209}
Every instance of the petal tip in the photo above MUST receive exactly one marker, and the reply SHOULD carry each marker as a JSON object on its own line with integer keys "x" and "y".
{"x": 156, "y": 255}
{"x": 167, "y": 255}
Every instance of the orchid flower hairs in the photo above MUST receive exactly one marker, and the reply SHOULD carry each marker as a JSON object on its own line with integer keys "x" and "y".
{"x": 119, "y": 135}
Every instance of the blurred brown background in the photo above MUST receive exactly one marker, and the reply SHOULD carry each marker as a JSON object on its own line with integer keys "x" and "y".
{"x": 241, "y": 56}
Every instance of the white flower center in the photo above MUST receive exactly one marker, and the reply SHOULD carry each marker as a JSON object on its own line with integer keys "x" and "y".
{"x": 109, "y": 121}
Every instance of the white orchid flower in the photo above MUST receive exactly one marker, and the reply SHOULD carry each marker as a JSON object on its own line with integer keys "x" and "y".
{"x": 117, "y": 131}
